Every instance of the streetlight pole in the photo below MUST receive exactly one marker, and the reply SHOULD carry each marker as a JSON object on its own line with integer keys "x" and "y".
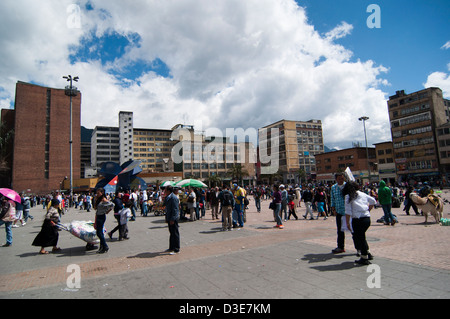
{"x": 71, "y": 91}
{"x": 364, "y": 119}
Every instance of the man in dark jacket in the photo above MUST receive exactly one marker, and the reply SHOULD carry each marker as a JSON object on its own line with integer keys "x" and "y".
{"x": 172, "y": 204}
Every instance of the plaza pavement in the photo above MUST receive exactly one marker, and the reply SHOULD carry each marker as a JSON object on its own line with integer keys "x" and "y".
{"x": 254, "y": 262}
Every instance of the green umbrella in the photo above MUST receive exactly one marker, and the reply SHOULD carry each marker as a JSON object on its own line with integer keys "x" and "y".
{"x": 191, "y": 183}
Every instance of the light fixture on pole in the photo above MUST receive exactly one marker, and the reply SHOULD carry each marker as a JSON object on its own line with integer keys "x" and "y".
{"x": 364, "y": 119}
{"x": 71, "y": 91}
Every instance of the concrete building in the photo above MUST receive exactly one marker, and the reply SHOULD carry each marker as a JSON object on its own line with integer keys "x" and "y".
{"x": 337, "y": 161}
{"x": 41, "y": 152}
{"x": 125, "y": 137}
{"x": 386, "y": 163}
{"x": 153, "y": 147}
{"x": 105, "y": 146}
{"x": 443, "y": 140}
{"x": 206, "y": 156}
{"x": 414, "y": 118}
{"x": 299, "y": 142}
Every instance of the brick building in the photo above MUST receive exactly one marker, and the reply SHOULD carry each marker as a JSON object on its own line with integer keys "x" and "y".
{"x": 337, "y": 161}
{"x": 41, "y": 157}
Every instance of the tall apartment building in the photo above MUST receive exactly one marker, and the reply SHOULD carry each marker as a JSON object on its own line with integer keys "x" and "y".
{"x": 41, "y": 152}
{"x": 414, "y": 118}
{"x": 153, "y": 148}
{"x": 125, "y": 136}
{"x": 105, "y": 146}
{"x": 299, "y": 142}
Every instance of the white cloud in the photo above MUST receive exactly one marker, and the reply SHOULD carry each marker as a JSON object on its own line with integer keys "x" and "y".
{"x": 340, "y": 31}
{"x": 440, "y": 80}
{"x": 446, "y": 46}
{"x": 233, "y": 63}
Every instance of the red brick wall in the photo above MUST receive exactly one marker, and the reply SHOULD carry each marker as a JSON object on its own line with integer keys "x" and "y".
{"x": 30, "y": 140}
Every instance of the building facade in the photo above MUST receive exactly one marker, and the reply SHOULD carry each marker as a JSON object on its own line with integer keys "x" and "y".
{"x": 105, "y": 146}
{"x": 337, "y": 161}
{"x": 153, "y": 148}
{"x": 125, "y": 137}
{"x": 414, "y": 118}
{"x": 299, "y": 142}
{"x": 386, "y": 163}
{"x": 41, "y": 156}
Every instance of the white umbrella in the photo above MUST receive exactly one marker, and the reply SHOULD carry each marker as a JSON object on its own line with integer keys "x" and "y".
{"x": 191, "y": 183}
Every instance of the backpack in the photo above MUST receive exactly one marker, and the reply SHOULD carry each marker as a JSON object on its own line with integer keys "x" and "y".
{"x": 227, "y": 198}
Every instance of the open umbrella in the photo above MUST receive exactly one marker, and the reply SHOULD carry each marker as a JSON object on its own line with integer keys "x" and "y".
{"x": 10, "y": 194}
{"x": 191, "y": 183}
{"x": 167, "y": 183}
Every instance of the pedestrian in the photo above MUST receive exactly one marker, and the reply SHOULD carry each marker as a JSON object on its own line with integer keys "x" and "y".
{"x": 102, "y": 206}
{"x": 409, "y": 202}
{"x": 257, "y": 197}
{"x": 191, "y": 204}
{"x": 284, "y": 201}
{"x": 298, "y": 197}
{"x": 357, "y": 207}
{"x": 385, "y": 199}
{"x": 214, "y": 202}
{"x": 26, "y": 209}
{"x": 7, "y": 216}
{"x": 320, "y": 198}
{"x": 227, "y": 202}
{"x": 118, "y": 206}
{"x": 19, "y": 213}
{"x": 172, "y": 204}
{"x": 49, "y": 235}
{"x": 276, "y": 200}
{"x": 292, "y": 205}
{"x": 124, "y": 214}
{"x": 307, "y": 197}
{"x": 239, "y": 195}
{"x": 338, "y": 210}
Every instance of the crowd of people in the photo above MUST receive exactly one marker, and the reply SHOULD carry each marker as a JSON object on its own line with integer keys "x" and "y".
{"x": 350, "y": 203}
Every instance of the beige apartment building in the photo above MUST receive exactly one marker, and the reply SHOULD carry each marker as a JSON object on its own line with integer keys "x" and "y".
{"x": 299, "y": 142}
{"x": 414, "y": 118}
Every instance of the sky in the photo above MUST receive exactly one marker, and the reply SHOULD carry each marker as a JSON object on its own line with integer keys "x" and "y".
{"x": 230, "y": 63}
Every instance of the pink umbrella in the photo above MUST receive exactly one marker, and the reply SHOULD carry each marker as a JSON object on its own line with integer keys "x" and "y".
{"x": 10, "y": 194}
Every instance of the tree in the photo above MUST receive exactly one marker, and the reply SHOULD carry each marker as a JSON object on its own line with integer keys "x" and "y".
{"x": 213, "y": 180}
{"x": 237, "y": 172}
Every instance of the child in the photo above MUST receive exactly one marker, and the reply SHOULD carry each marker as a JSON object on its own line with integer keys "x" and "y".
{"x": 291, "y": 205}
{"x": 125, "y": 213}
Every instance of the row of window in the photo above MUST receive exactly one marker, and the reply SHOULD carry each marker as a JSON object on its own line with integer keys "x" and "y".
{"x": 419, "y": 141}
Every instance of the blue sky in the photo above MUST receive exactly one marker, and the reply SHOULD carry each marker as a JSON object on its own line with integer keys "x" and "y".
{"x": 229, "y": 63}
{"x": 408, "y": 43}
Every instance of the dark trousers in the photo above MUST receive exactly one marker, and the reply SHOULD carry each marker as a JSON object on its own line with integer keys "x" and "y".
{"x": 174, "y": 239}
{"x": 360, "y": 226}
{"x": 340, "y": 234}
{"x": 100, "y": 222}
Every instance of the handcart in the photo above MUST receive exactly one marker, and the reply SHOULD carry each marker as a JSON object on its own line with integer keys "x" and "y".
{"x": 159, "y": 209}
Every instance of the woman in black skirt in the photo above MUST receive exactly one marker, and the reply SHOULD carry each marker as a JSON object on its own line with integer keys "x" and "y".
{"x": 49, "y": 235}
